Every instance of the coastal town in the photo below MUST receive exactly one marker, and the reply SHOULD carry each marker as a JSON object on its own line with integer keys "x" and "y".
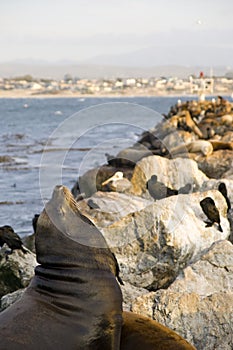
{"x": 132, "y": 86}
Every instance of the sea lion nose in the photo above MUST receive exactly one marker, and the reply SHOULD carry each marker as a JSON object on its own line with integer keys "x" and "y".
{"x": 59, "y": 187}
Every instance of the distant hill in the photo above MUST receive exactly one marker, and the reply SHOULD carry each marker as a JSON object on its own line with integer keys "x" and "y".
{"x": 163, "y": 55}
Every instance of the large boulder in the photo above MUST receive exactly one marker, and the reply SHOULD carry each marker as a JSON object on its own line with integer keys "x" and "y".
{"x": 217, "y": 164}
{"x": 177, "y": 138}
{"x": 154, "y": 244}
{"x": 198, "y": 305}
{"x": 16, "y": 270}
{"x": 174, "y": 173}
{"x": 112, "y": 207}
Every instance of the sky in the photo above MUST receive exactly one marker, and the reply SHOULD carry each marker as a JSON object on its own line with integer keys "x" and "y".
{"x": 78, "y": 30}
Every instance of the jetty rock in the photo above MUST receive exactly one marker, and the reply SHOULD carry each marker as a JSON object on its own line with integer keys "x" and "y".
{"x": 112, "y": 207}
{"x": 16, "y": 270}
{"x": 198, "y": 304}
{"x": 174, "y": 173}
{"x": 10, "y": 298}
{"x": 154, "y": 243}
{"x": 217, "y": 165}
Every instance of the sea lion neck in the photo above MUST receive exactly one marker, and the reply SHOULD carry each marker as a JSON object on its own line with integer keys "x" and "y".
{"x": 65, "y": 238}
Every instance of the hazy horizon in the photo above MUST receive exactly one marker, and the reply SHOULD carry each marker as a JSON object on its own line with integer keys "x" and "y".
{"x": 110, "y": 31}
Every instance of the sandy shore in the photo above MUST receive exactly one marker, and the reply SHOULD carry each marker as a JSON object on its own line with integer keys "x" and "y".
{"x": 70, "y": 94}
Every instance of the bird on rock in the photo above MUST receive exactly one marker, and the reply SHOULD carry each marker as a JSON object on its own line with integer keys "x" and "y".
{"x": 8, "y": 236}
{"x": 92, "y": 205}
{"x": 117, "y": 183}
{"x": 209, "y": 208}
{"x": 185, "y": 189}
{"x": 34, "y": 222}
{"x": 222, "y": 188}
{"x": 158, "y": 190}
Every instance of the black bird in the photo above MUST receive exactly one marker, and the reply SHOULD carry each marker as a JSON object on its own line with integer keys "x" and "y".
{"x": 92, "y": 205}
{"x": 222, "y": 188}
{"x": 34, "y": 222}
{"x": 185, "y": 189}
{"x": 209, "y": 208}
{"x": 158, "y": 190}
{"x": 8, "y": 236}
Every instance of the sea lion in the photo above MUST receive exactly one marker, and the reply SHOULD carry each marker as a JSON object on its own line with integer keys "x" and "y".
{"x": 200, "y": 146}
{"x": 221, "y": 145}
{"x": 128, "y": 157}
{"x": 8, "y": 236}
{"x": 209, "y": 208}
{"x": 227, "y": 119}
{"x": 184, "y": 118}
{"x": 74, "y": 301}
{"x": 139, "y": 332}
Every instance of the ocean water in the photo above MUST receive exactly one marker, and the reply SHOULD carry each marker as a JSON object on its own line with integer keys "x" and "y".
{"x": 53, "y": 141}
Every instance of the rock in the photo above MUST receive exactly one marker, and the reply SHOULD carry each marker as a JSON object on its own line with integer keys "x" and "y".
{"x": 29, "y": 242}
{"x": 9, "y": 299}
{"x": 198, "y": 305}
{"x": 217, "y": 164}
{"x": 130, "y": 293}
{"x": 228, "y": 136}
{"x": 178, "y": 137}
{"x": 206, "y": 322}
{"x": 6, "y": 159}
{"x": 112, "y": 207}
{"x": 214, "y": 183}
{"x": 153, "y": 245}
{"x": 130, "y": 156}
{"x": 16, "y": 271}
{"x": 174, "y": 173}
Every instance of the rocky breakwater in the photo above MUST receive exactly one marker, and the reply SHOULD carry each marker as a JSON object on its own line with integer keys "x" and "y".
{"x": 157, "y": 227}
{"x": 174, "y": 253}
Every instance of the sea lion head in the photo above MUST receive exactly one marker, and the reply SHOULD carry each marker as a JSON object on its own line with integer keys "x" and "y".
{"x": 207, "y": 149}
{"x": 64, "y": 236}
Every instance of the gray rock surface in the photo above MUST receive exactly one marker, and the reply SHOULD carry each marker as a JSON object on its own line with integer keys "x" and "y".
{"x": 154, "y": 244}
{"x": 9, "y": 299}
{"x": 216, "y": 165}
{"x": 16, "y": 270}
{"x": 199, "y": 304}
{"x": 174, "y": 173}
{"x": 112, "y": 207}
